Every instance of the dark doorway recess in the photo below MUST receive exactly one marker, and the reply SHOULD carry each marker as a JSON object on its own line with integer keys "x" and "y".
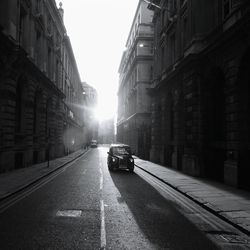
{"x": 214, "y": 125}
{"x": 243, "y": 85}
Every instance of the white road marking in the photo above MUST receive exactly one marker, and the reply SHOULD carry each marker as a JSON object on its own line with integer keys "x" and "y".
{"x": 103, "y": 230}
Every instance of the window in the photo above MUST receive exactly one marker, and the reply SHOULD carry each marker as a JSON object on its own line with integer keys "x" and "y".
{"x": 151, "y": 72}
{"x": 173, "y": 7}
{"x": 38, "y": 6}
{"x": 152, "y": 48}
{"x": 49, "y": 26}
{"x": 121, "y": 150}
{"x": 226, "y": 7}
{"x": 64, "y": 86}
{"x": 36, "y": 112}
{"x": 22, "y": 27}
{"x": 172, "y": 49}
{"x": 38, "y": 50}
{"x": 163, "y": 14}
{"x": 162, "y": 58}
{"x": 47, "y": 116}
{"x": 49, "y": 63}
{"x": 182, "y": 2}
{"x": 19, "y": 106}
{"x": 171, "y": 116}
{"x": 58, "y": 43}
{"x": 185, "y": 32}
{"x": 57, "y": 73}
{"x": 68, "y": 94}
{"x": 35, "y": 109}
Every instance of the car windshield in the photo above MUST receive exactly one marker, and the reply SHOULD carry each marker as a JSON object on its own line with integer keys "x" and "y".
{"x": 121, "y": 150}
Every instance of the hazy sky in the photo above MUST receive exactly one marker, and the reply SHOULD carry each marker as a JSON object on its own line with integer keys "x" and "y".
{"x": 98, "y": 31}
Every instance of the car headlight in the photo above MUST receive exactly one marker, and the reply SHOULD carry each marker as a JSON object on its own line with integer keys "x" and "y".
{"x": 131, "y": 160}
{"x": 113, "y": 159}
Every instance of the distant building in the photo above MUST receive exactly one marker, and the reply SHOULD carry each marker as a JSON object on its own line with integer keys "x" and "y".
{"x": 200, "y": 120}
{"x": 90, "y": 104}
{"x": 134, "y": 101}
{"x": 106, "y": 131}
{"x": 40, "y": 87}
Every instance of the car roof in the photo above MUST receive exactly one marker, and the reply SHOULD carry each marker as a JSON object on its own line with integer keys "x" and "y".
{"x": 118, "y": 145}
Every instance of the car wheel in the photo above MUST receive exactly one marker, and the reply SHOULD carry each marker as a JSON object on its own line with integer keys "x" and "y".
{"x": 110, "y": 168}
{"x": 131, "y": 170}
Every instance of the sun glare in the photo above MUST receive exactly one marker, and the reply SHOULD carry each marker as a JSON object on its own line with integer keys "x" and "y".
{"x": 106, "y": 104}
{"x": 105, "y": 111}
{"x": 97, "y": 61}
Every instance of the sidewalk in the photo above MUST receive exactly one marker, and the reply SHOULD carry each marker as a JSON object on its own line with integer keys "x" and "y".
{"x": 227, "y": 202}
{"x": 12, "y": 182}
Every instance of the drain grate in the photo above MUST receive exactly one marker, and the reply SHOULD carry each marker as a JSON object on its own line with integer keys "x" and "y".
{"x": 69, "y": 213}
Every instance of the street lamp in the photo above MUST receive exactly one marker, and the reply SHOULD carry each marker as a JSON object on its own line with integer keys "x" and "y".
{"x": 157, "y": 6}
{"x": 152, "y": 4}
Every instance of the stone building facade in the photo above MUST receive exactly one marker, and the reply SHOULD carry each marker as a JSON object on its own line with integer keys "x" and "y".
{"x": 106, "y": 131}
{"x": 39, "y": 85}
{"x": 134, "y": 101}
{"x": 90, "y": 104}
{"x": 201, "y": 91}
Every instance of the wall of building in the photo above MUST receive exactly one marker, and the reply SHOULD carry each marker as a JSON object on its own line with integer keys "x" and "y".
{"x": 198, "y": 104}
{"x": 106, "y": 131}
{"x": 89, "y": 107}
{"x": 35, "y": 118}
{"x": 134, "y": 101}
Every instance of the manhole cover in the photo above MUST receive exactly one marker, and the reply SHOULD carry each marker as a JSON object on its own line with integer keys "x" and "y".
{"x": 69, "y": 213}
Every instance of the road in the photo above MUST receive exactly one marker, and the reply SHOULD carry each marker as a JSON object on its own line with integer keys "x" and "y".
{"x": 84, "y": 206}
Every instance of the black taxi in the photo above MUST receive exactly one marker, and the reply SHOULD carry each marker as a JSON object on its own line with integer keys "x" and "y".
{"x": 120, "y": 157}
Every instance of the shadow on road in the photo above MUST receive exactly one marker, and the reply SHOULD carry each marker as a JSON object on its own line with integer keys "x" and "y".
{"x": 158, "y": 218}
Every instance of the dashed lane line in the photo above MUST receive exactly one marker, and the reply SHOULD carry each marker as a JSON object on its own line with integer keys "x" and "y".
{"x": 103, "y": 228}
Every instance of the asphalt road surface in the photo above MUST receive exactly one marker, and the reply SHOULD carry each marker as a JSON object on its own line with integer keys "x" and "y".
{"x": 87, "y": 207}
